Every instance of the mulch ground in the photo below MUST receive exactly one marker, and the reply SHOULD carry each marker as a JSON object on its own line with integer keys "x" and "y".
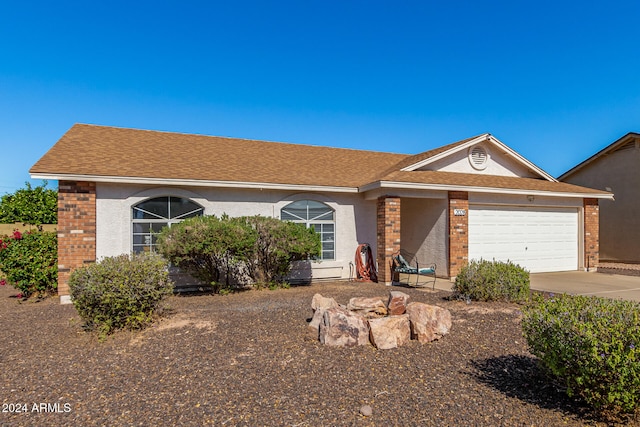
{"x": 246, "y": 360}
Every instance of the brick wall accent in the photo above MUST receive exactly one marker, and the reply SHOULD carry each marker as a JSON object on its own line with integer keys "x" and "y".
{"x": 388, "y": 233}
{"x": 458, "y": 232}
{"x": 76, "y": 229}
{"x": 591, "y": 234}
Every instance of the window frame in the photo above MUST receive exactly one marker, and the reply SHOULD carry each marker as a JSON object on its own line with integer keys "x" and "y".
{"x": 316, "y": 220}
{"x": 149, "y": 236}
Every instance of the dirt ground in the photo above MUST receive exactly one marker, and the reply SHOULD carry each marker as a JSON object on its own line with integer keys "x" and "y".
{"x": 246, "y": 360}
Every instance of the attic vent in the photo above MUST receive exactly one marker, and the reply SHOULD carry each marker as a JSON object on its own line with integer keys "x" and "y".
{"x": 478, "y": 157}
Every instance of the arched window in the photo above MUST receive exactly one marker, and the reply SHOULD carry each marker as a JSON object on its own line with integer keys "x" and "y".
{"x": 317, "y": 215}
{"x": 150, "y": 216}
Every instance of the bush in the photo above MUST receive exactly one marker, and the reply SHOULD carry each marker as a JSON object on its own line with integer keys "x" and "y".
{"x": 591, "y": 345}
{"x": 120, "y": 292}
{"x": 492, "y": 281}
{"x": 29, "y": 205}
{"x": 227, "y": 251}
{"x": 209, "y": 248}
{"x": 278, "y": 245}
{"x": 29, "y": 262}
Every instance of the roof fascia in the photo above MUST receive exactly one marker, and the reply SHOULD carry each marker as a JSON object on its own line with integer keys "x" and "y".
{"x": 606, "y": 150}
{"x": 473, "y": 189}
{"x": 194, "y": 183}
{"x": 485, "y": 137}
{"x": 444, "y": 154}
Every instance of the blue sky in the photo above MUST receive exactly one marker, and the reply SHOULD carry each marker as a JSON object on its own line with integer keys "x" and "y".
{"x": 554, "y": 80}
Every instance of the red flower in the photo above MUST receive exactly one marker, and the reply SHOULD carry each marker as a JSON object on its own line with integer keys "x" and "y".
{"x": 19, "y": 295}
{"x": 17, "y": 234}
{"x": 3, "y": 282}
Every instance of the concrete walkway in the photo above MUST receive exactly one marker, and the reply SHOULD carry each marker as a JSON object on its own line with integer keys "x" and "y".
{"x": 579, "y": 283}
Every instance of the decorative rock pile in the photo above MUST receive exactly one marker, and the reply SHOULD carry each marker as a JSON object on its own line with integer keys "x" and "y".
{"x": 385, "y": 325}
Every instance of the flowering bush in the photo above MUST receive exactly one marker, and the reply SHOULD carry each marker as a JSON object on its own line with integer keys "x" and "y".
{"x": 492, "y": 281}
{"x": 591, "y": 345}
{"x": 120, "y": 292}
{"x": 29, "y": 262}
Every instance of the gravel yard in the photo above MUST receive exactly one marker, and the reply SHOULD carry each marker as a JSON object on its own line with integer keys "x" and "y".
{"x": 246, "y": 359}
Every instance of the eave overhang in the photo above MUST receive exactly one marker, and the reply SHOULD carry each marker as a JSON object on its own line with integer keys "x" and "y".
{"x": 193, "y": 183}
{"x": 478, "y": 189}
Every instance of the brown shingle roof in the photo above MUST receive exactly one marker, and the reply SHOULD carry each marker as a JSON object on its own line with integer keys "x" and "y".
{"x": 108, "y": 151}
{"x": 485, "y": 181}
{"x": 101, "y": 151}
{"x": 411, "y": 160}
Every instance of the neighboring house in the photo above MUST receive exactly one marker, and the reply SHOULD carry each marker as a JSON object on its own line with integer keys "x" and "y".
{"x": 475, "y": 198}
{"x": 616, "y": 169}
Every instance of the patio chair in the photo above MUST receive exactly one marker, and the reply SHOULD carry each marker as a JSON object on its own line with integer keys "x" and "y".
{"x": 400, "y": 266}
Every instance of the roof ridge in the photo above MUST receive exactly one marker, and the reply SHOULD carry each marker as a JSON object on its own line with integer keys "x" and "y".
{"x": 187, "y": 134}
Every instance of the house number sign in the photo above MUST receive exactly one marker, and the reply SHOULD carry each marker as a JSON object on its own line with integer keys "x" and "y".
{"x": 459, "y": 212}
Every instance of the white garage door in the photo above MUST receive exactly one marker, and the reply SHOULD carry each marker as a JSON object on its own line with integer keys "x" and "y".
{"x": 538, "y": 239}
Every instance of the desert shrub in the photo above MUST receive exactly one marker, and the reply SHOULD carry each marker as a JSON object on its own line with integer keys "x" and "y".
{"x": 209, "y": 248}
{"x": 120, "y": 292}
{"x": 29, "y": 262}
{"x": 590, "y": 344}
{"x": 278, "y": 245}
{"x": 492, "y": 281}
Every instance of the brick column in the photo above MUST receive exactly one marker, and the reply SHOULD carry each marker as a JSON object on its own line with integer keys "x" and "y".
{"x": 388, "y": 242}
{"x": 458, "y": 231}
{"x": 76, "y": 230}
{"x": 591, "y": 234}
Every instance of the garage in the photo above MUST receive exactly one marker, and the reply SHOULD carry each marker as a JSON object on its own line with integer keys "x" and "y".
{"x": 538, "y": 239}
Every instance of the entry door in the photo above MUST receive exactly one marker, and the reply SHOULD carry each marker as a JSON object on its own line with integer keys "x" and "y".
{"x": 538, "y": 239}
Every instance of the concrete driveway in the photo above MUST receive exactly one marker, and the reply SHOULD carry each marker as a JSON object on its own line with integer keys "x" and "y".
{"x": 579, "y": 283}
{"x": 587, "y": 283}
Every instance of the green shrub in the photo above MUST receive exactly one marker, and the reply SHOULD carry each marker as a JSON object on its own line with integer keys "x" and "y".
{"x": 29, "y": 261}
{"x": 278, "y": 245}
{"x": 31, "y": 205}
{"x": 120, "y": 292}
{"x": 209, "y": 248}
{"x": 492, "y": 281}
{"x": 246, "y": 250}
{"x": 591, "y": 345}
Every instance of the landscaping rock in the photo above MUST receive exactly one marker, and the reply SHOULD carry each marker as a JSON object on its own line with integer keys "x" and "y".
{"x": 366, "y": 411}
{"x": 368, "y": 307}
{"x": 318, "y": 301}
{"x": 397, "y": 303}
{"x": 390, "y": 332}
{"x": 314, "y": 326}
{"x": 428, "y": 322}
{"x": 340, "y": 327}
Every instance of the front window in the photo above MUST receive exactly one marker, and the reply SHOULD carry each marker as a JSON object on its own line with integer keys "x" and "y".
{"x": 150, "y": 216}
{"x": 318, "y": 216}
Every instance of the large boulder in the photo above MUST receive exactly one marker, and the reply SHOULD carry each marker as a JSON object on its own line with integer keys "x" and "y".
{"x": 368, "y": 307}
{"x": 319, "y": 304}
{"x": 428, "y": 322}
{"x": 397, "y": 303}
{"x": 341, "y": 327}
{"x": 389, "y": 332}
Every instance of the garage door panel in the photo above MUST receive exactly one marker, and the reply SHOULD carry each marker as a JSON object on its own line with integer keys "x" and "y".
{"x": 538, "y": 239}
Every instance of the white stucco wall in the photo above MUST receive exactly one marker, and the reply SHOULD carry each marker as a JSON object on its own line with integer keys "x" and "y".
{"x": 498, "y": 163}
{"x": 355, "y": 217}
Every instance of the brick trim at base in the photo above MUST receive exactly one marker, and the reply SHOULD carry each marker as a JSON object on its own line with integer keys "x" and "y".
{"x": 388, "y": 235}
{"x": 591, "y": 234}
{"x": 458, "y": 231}
{"x": 76, "y": 229}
